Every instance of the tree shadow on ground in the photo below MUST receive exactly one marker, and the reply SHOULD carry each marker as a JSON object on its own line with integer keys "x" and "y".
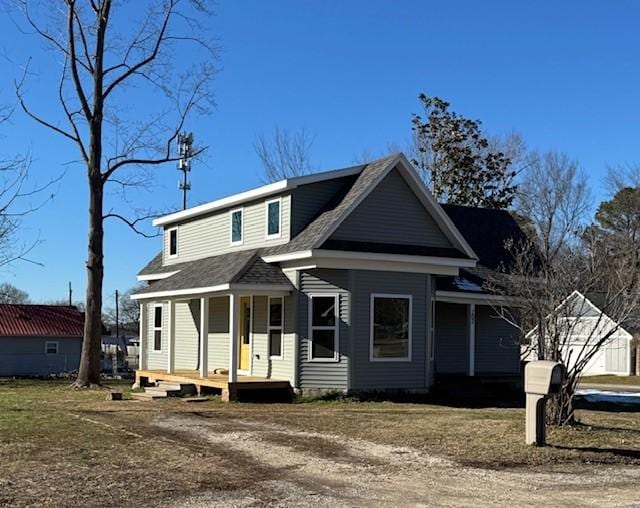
{"x": 618, "y": 452}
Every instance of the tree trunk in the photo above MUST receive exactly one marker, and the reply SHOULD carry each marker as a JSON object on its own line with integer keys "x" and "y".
{"x": 89, "y": 372}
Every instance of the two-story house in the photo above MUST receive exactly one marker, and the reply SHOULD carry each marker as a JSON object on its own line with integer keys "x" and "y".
{"x": 354, "y": 279}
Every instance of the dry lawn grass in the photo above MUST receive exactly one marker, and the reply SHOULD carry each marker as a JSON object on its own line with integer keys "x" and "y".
{"x": 60, "y": 447}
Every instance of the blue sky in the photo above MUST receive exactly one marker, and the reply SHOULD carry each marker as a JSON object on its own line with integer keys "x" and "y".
{"x": 566, "y": 75}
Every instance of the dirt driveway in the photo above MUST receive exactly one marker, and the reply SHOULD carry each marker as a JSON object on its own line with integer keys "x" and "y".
{"x": 296, "y": 468}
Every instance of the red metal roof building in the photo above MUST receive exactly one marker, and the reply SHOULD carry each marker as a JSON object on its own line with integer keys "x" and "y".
{"x": 41, "y": 320}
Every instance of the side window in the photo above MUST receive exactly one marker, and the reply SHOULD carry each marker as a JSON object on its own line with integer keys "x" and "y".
{"x": 273, "y": 218}
{"x": 157, "y": 328}
{"x": 390, "y": 328}
{"x": 276, "y": 320}
{"x": 173, "y": 242}
{"x": 51, "y": 348}
{"x": 323, "y": 327}
{"x": 236, "y": 226}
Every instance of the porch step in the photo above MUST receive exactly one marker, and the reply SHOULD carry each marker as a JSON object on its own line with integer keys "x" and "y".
{"x": 162, "y": 391}
{"x": 147, "y": 396}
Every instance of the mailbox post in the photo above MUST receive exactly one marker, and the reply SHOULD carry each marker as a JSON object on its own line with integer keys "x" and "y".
{"x": 541, "y": 379}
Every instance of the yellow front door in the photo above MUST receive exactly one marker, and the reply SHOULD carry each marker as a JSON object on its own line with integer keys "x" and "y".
{"x": 244, "y": 339}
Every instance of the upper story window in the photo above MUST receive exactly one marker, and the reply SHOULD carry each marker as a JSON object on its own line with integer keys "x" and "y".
{"x": 323, "y": 327}
{"x": 273, "y": 218}
{"x": 173, "y": 242}
{"x": 236, "y": 226}
{"x": 390, "y": 328}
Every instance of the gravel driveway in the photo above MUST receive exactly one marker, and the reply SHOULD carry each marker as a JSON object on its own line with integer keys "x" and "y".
{"x": 294, "y": 468}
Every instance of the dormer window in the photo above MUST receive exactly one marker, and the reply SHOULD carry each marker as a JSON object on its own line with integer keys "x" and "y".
{"x": 173, "y": 242}
{"x": 236, "y": 227}
{"x": 273, "y": 218}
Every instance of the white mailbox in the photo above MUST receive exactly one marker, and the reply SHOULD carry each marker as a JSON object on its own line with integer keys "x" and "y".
{"x": 541, "y": 379}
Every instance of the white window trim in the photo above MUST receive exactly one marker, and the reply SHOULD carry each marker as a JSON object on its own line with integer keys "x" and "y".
{"x": 266, "y": 219}
{"x": 231, "y": 212}
{"x": 155, "y": 328}
{"x": 335, "y": 328}
{"x": 46, "y": 347}
{"x": 270, "y": 327}
{"x": 169, "y": 231}
{"x": 371, "y": 318}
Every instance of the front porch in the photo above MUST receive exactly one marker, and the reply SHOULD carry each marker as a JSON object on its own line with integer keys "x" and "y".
{"x": 229, "y": 389}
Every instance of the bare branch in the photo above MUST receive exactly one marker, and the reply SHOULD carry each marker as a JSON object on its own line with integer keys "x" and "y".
{"x": 154, "y": 53}
{"x": 133, "y": 223}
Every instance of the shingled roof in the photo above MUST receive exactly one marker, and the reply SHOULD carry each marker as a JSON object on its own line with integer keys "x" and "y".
{"x": 242, "y": 267}
{"x": 18, "y": 320}
{"x": 336, "y": 209}
{"x": 487, "y": 231}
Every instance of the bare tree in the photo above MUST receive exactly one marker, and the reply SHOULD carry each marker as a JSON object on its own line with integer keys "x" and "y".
{"x": 128, "y": 309}
{"x": 127, "y": 85}
{"x": 284, "y": 154}
{"x": 11, "y": 294}
{"x": 553, "y": 199}
{"x": 556, "y": 322}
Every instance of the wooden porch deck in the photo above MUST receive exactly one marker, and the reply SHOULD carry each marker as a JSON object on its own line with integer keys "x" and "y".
{"x": 218, "y": 381}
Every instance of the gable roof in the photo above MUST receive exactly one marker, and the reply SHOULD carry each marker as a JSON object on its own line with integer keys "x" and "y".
{"x": 336, "y": 211}
{"x": 41, "y": 320}
{"x": 242, "y": 267}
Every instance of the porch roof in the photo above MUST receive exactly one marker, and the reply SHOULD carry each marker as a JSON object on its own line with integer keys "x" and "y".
{"x": 243, "y": 268}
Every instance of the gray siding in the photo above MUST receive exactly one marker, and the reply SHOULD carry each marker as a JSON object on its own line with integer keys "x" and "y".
{"x": 316, "y": 374}
{"x": 392, "y": 214}
{"x": 414, "y": 374}
{"x": 25, "y": 356}
{"x": 211, "y": 235}
{"x": 497, "y": 344}
{"x": 308, "y": 200}
{"x": 285, "y": 367}
{"x": 187, "y": 334}
{"x": 219, "y": 333}
{"x": 452, "y": 339}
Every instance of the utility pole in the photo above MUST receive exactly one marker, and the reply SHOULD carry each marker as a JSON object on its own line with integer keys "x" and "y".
{"x": 70, "y": 295}
{"x": 185, "y": 151}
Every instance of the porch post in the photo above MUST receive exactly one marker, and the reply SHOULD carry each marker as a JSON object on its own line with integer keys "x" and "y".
{"x": 171, "y": 342}
{"x": 472, "y": 339}
{"x": 204, "y": 336}
{"x": 143, "y": 338}
{"x": 234, "y": 304}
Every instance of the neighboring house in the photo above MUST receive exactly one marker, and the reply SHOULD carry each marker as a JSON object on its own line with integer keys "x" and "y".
{"x": 325, "y": 281}
{"x": 587, "y": 324}
{"x": 39, "y": 340}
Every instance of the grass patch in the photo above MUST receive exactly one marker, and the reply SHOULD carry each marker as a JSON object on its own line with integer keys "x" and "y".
{"x": 65, "y": 447}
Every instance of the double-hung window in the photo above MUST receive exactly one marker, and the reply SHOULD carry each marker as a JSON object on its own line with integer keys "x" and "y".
{"x": 390, "y": 327}
{"x": 323, "y": 327}
{"x": 276, "y": 320}
{"x": 51, "y": 348}
{"x": 273, "y": 218}
{"x": 157, "y": 328}
{"x": 173, "y": 242}
{"x": 236, "y": 227}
